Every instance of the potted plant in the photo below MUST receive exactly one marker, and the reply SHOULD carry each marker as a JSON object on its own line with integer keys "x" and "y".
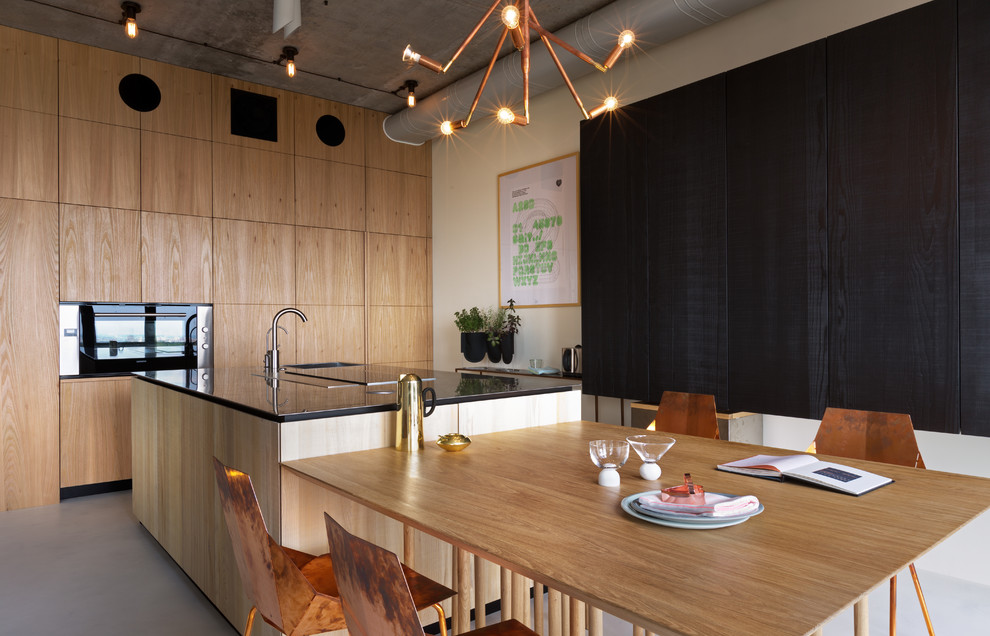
{"x": 512, "y": 322}
{"x": 471, "y": 324}
{"x": 495, "y": 318}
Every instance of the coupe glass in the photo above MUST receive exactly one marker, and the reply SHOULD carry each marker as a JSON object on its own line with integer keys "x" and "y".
{"x": 650, "y": 449}
{"x": 609, "y": 455}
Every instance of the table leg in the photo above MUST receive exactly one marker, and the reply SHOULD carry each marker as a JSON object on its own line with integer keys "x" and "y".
{"x": 538, "y": 608}
{"x": 596, "y": 622}
{"x": 518, "y": 598}
{"x": 480, "y": 592}
{"x": 565, "y": 614}
{"x": 577, "y": 617}
{"x": 506, "y": 597}
{"x": 861, "y": 617}
{"x": 408, "y": 547}
{"x": 462, "y": 621}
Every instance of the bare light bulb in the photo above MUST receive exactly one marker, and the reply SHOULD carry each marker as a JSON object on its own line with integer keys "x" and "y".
{"x": 290, "y": 68}
{"x": 130, "y": 27}
{"x": 608, "y": 105}
{"x": 510, "y": 16}
{"x": 447, "y": 128}
{"x": 626, "y": 39}
{"x": 505, "y": 115}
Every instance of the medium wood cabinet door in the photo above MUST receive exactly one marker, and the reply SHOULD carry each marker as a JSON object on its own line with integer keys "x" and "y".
{"x": 974, "y": 221}
{"x": 892, "y": 197}
{"x": 95, "y": 431}
{"x": 686, "y": 199}
{"x": 614, "y": 255}
{"x": 776, "y": 234}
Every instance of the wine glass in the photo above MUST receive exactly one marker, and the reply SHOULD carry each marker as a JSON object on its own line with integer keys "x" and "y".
{"x": 650, "y": 449}
{"x": 609, "y": 455}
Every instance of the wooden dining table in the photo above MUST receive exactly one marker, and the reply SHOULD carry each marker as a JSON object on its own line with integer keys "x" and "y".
{"x": 529, "y": 501}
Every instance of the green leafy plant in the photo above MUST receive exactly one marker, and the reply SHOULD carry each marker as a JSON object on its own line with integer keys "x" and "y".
{"x": 495, "y": 318}
{"x": 469, "y": 320}
{"x": 501, "y": 321}
{"x": 512, "y": 319}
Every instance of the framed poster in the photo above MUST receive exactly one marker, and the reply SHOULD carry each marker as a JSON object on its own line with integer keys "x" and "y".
{"x": 538, "y": 251}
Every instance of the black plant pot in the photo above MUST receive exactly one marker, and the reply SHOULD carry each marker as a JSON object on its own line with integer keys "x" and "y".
{"x": 508, "y": 347}
{"x": 494, "y": 352}
{"x": 473, "y": 346}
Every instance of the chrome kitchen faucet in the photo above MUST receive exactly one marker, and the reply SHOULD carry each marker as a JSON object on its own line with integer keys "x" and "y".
{"x": 271, "y": 358}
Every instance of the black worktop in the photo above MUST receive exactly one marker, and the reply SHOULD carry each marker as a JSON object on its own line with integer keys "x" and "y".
{"x": 303, "y": 394}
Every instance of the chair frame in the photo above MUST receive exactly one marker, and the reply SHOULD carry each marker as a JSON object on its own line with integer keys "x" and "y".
{"x": 687, "y": 414}
{"x": 881, "y": 437}
{"x": 274, "y": 577}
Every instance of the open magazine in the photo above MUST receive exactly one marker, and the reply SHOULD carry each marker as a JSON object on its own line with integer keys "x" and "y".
{"x": 808, "y": 468}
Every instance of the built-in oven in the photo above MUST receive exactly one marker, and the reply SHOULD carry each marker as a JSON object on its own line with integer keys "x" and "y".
{"x": 117, "y": 338}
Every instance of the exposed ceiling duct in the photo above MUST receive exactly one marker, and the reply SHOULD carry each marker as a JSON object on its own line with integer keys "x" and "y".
{"x": 654, "y": 22}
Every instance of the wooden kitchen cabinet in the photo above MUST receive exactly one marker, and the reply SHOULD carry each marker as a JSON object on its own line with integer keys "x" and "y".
{"x": 28, "y": 353}
{"x": 95, "y": 426}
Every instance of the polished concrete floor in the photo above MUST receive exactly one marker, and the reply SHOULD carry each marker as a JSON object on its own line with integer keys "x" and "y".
{"x": 87, "y": 567}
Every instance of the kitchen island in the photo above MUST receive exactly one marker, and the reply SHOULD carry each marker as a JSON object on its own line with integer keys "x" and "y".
{"x": 181, "y": 419}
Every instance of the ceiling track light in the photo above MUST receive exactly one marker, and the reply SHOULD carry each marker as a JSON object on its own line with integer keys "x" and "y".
{"x": 129, "y": 19}
{"x": 518, "y": 20}
{"x": 288, "y": 56}
{"x": 410, "y": 86}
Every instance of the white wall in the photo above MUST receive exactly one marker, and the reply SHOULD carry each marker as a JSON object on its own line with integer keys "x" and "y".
{"x": 466, "y": 168}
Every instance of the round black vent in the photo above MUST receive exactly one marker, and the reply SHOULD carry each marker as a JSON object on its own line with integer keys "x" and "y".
{"x": 330, "y": 130}
{"x": 140, "y": 92}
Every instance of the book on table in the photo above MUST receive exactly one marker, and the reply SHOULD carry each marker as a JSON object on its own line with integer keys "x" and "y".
{"x": 847, "y": 479}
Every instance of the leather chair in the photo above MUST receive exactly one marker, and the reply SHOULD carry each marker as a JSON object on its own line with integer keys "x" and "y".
{"x": 686, "y": 414}
{"x": 879, "y": 437}
{"x": 295, "y": 592}
{"x": 375, "y": 594}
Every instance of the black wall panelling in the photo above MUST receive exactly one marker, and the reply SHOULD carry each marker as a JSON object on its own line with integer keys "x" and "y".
{"x": 614, "y": 314}
{"x": 893, "y": 263}
{"x": 686, "y": 197}
{"x": 974, "y": 216}
{"x": 776, "y": 234}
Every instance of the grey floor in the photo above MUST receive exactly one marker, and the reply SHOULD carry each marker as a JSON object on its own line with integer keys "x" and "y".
{"x": 86, "y": 567}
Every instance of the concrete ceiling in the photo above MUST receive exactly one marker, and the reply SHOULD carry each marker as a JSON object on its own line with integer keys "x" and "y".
{"x": 349, "y": 51}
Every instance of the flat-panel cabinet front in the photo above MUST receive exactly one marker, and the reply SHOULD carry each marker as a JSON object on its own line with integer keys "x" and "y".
{"x": 95, "y": 431}
{"x": 892, "y": 217}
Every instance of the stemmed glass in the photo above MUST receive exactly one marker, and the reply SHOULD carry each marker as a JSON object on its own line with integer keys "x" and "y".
{"x": 609, "y": 455}
{"x": 650, "y": 449}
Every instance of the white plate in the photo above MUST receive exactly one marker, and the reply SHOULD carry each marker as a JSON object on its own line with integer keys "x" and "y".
{"x": 679, "y": 520}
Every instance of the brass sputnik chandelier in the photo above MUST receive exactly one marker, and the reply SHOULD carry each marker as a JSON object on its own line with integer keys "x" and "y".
{"x": 517, "y": 20}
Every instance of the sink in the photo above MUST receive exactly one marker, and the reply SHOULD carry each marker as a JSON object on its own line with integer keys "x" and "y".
{"x": 307, "y": 380}
{"x": 320, "y": 365}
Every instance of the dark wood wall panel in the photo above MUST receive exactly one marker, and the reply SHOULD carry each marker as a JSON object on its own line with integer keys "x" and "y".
{"x": 893, "y": 262}
{"x": 974, "y": 216}
{"x": 686, "y": 194}
{"x": 776, "y": 234}
{"x": 614, "y": 312}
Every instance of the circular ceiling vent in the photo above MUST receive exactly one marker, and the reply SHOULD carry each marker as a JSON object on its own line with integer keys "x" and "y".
{"x": 140, "y": 92}
{"x": 330, "y": 130}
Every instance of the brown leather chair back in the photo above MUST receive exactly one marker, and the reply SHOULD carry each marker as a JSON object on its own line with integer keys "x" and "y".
{"x": 271, "y": 580}
{"x": 687, "y": 414}
{"x": 870, "y": 435}
{"x": 373, "y": 589}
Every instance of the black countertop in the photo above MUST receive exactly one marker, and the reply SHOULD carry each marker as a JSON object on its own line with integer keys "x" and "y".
{"x": 304, "y": 394}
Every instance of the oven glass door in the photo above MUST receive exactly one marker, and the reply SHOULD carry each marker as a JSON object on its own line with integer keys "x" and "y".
{"x": 121, "y": 338}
